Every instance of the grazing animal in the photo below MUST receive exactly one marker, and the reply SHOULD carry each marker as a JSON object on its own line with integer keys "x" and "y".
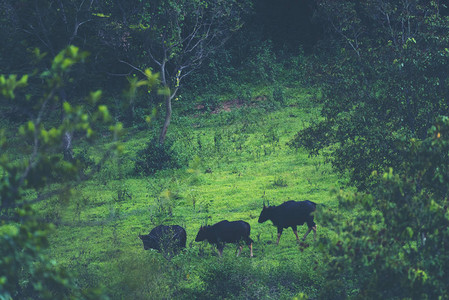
{"x": 290, "y": 214}
{"x": 226, "y": 232}
{"x": 163, "y": 238}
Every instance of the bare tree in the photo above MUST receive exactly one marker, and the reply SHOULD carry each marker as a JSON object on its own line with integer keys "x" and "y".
{"x": 177, "y": 36}
{"x": 53, "y": 25}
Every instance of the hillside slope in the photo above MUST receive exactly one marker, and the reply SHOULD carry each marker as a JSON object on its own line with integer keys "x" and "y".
{"x": 238, "y": 157}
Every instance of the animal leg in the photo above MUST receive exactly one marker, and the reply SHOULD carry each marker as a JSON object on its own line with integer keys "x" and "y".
{"x": 279, "y": 235}
{"x": 240, "y": 250}
{"x": 220, "y": 247}
{"x": 307, "y": 233}
{"x": 295, "y": 231}
{"x": 251, "y": 249}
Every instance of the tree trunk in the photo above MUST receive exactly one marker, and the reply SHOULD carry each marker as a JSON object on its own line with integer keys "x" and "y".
{"x": 67, "y": 146}
{"x": 168, "y": 114}
{"x": 67, "y": 138}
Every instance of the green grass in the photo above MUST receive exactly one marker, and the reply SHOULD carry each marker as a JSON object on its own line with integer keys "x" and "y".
{"x": 99, "y": 241}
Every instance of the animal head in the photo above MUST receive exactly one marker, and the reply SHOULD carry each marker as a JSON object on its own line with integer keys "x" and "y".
{"x": 149, "y": 242}
{"x": 266, "y": 213}
{"x": 202, "y": 234}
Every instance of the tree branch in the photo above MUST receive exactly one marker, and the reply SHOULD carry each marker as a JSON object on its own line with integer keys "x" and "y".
{"x": 132, "y": 66}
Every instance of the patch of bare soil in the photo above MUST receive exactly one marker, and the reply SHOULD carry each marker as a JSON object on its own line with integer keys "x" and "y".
{"x": 231, "y": 104}
{"x": 228, "y": 106}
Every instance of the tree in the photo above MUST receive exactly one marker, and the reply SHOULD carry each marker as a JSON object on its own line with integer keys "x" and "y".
{"x": 175, "y": 38}
{"x": 392, "y": 247}
{"x": 24, "y": 270}
{"x": 385, "y": 81}
{"x": 51, "y": 26}
{"x": 27, "y": 169}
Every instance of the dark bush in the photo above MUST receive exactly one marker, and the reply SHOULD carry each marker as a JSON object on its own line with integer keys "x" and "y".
{"x": 210, "y": 103}
{"x": 232, "y": 278}
{"x": 278, "y": 95}
{"x": 155, "y": 157}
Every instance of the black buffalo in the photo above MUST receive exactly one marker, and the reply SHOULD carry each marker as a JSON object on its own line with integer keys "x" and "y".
{"x": 226, "y": 232}
{"x": 163, "y": 238}
{"x": 290, "y": 214}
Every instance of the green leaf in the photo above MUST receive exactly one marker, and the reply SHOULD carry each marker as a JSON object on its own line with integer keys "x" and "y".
{"x": 31, "y": 126}
{"x": 94, "y": 97}
{"x": 73, "y": 51}
{"x": 67, "y": 107}
{"x": 410, "y": 232}
{"x": 23, "y": 81}
{"x": 165, "y": 91}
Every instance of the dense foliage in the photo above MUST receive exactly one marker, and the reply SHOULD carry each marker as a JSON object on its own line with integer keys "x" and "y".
{"x": 155, "y": 157}
{"x": 26, "y": 272}
{"x": 388, "y": 79}
{"x": 382, "y": 101}
{"x": 217, "y": 106}
{"x": 392, "y": 248}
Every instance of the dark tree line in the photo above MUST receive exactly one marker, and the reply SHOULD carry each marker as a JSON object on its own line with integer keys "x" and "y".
{"x": 173, "y": 38}
{"x": 386, "y": 81}
{"x": 121, "y": 42}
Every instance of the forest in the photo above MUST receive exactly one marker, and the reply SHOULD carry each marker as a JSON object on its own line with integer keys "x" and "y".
{"x": 117, "y": 117}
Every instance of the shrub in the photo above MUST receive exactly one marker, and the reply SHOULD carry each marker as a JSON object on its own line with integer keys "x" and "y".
{"x": 398, "y": 254}
{"x": 263, "y": 65}
{"x": 211, "y": 103}
{"x": 155, "y": 157}
{"x": 278, "y": 95}
{"x": 231, "y": 278}
{"x": 280, "y": 182}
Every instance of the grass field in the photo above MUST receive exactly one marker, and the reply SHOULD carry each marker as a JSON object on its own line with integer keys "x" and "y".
{"x": 234, "y": 160}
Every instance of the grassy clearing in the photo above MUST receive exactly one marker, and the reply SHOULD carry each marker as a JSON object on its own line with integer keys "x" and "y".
{"x": 236, "y": 159}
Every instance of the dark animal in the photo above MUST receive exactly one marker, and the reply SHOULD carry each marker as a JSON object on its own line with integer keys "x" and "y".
{"x": 290, "y": 214}
{"x": 226, "y": 232}
{"x": 163, "y": 238}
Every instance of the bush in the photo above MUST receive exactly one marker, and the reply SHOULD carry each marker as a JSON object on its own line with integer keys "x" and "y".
{"x": 398, "y": 255}
{"x": 155, "y": 157}
{"x": 231, "y": 279}
{"x": 263, "y": 66}
{"x": 242, "y": 278}
{"x": 210, "y": 103}
{"x": 278, "y": 95}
